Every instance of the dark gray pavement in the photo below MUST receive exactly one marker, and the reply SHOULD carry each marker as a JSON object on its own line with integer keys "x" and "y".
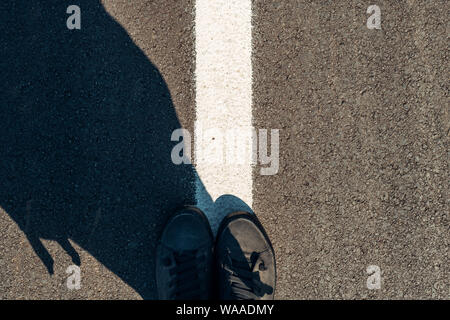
{"x": 364, "y": 145}
{"x": 87, "y": 115}
{"x": 364, "y": 119}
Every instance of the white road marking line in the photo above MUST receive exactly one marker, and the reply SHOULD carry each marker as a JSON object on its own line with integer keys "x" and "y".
{"x": 223, "y": 34}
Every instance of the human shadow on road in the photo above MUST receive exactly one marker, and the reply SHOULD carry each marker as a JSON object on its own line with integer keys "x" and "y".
{"x": 86, "y": 121}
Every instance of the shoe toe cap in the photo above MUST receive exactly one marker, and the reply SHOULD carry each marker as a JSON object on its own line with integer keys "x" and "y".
{"x": 186, "y": 231}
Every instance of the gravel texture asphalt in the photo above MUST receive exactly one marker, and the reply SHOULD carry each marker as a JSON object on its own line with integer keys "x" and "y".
{"x": 364, "y": 144}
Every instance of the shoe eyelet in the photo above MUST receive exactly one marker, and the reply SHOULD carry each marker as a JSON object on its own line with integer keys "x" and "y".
{"x": 262, "y": 267}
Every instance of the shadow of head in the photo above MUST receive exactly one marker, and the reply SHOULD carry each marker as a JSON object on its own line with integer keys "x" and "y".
{"x": 86, "y": 121}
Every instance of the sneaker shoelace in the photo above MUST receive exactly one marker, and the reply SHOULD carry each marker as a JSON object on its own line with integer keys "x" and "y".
{"x": 185, "y": 282}
{"x": 244, "y": 278}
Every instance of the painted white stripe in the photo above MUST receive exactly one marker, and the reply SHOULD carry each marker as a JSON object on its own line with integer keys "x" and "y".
{"x": 223, "y": 34}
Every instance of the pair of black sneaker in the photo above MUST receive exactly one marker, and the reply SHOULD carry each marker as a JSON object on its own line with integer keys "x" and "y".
{"x": 239, "y": 265}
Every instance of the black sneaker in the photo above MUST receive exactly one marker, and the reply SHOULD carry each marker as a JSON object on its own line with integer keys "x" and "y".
{"x": 184, "y": 257}
{"x": 245, "y": 259}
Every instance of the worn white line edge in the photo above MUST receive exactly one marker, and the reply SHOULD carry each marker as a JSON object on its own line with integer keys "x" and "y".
{"x": 223, "y": 44}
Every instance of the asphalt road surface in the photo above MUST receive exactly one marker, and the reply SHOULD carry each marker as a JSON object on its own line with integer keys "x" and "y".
{"x": 86, "y": 117}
